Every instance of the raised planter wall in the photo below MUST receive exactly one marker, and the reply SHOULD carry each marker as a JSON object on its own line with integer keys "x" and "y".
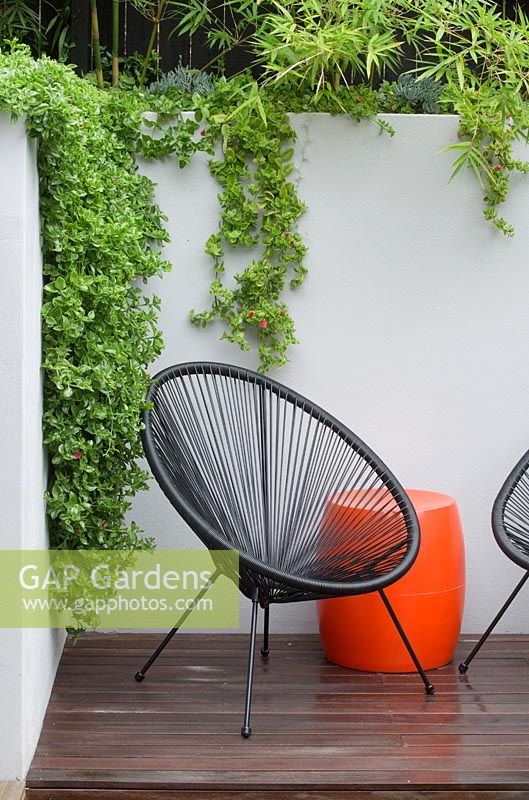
{"x": 413, "y": 322}
{"x": 28, "y": 658}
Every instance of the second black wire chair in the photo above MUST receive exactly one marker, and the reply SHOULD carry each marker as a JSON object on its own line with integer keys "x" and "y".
{"x": 510, "y": 525}
{"x": 254, "y": 467}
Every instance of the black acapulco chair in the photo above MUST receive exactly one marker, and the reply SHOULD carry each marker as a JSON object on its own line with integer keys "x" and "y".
{"x": 510, "y": 525}
{"x": 254, "y": 467}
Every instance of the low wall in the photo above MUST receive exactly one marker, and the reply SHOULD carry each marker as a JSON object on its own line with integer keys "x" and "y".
{"x": 28, "y": 658}
{"x": 413, "y": 322}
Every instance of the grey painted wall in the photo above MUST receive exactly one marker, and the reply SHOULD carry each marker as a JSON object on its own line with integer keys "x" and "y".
{"x": 28, "y": 658}
{"x": 413, "y": 322}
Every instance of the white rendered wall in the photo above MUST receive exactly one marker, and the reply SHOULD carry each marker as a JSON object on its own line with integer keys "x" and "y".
{"x": 413, "y": 321}
{"x": 28, "y": 658}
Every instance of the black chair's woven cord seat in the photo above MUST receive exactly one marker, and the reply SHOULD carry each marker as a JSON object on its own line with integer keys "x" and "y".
{"x": 510, "y": 525}
{"x": 259, "y": 469}
{"x": 254, "y": 467}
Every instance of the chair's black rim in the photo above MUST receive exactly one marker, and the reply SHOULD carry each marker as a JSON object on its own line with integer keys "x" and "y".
{"x": 214, "y": 540}
{"x": 498, "y": 513}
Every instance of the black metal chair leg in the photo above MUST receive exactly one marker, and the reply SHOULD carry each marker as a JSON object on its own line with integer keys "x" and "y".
{"x": 429, "y": 687}
{"x": 246, "y": 730}
{"x": 265, "y": 649}
{"x": 139, "y": 676}
{"x": 463, "y": 667}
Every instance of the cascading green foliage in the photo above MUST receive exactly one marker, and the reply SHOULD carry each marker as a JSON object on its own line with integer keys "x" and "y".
{"x": 247, "y": 131}
{"x": 481, "y": 56}
{"x": 101, "y": 233}
{"x": 99, "y": 225}
{"x": 259, "y": 209}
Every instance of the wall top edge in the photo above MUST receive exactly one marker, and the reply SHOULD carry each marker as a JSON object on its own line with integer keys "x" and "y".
{"x": 296, "y": 114}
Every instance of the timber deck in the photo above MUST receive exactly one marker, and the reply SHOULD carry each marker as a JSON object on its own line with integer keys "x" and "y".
{"x": 320, "y": 732}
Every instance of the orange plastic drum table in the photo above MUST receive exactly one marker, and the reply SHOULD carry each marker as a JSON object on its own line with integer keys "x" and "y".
{"x": 357, "y": 632}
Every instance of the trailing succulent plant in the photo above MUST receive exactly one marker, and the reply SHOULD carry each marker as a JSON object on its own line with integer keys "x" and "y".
{"x": 421, "y": 94}
{"x": 101, "y": 233}
{"x": 188, "y": 81}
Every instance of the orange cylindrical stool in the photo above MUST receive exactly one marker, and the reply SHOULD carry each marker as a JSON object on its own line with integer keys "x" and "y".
{"x": 357, "y": 632}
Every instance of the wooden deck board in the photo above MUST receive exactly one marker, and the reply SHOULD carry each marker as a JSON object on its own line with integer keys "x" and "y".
{"x": 319, "y": 731}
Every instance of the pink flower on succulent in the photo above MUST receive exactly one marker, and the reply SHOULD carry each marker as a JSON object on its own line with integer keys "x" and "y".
{"x": 78, "y": 454}
{"x": 104, "y": 525}
{"x": 251, "y": 314}
{"x": 498, "y": 167}
{"x": 263, "y": 324}
{"x": 202, "y": 132}
{"x": 286, "y": 233}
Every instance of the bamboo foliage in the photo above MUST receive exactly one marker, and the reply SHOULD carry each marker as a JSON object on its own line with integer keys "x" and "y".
{"x": 96, "y": 48}
{"x": 115, "y": 42}
{"x": 156, "y": 13}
